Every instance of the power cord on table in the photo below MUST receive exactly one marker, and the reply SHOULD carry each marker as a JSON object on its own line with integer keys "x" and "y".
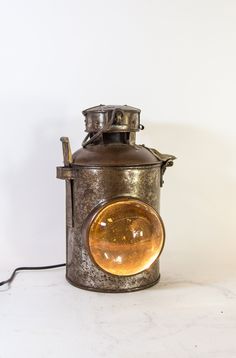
{"x": 11, "y": 278}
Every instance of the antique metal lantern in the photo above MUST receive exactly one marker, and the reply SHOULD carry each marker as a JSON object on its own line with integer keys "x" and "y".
{"x": 114, "y": 231}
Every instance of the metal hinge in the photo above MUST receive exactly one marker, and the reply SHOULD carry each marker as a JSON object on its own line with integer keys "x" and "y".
{"x": 165, "y": 159}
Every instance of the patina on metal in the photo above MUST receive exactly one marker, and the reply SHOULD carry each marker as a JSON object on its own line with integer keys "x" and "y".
{"x": 110, "y": 165}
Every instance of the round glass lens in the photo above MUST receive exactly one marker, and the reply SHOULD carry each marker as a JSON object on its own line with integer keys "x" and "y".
{"x": 126, "y": 237}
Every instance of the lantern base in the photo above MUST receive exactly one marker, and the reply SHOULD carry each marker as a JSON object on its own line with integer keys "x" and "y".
{"x": 87, "y": 288}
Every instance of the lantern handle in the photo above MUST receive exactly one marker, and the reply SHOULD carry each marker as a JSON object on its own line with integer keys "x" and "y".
{"x": 106, "y": 126}
{"x": 67, "y": 155}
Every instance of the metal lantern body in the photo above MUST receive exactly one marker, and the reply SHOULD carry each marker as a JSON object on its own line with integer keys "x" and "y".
{"x": 113, "y": 228}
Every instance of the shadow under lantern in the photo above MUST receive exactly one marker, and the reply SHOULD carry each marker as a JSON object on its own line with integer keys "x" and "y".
{"x": 114, "y": 232}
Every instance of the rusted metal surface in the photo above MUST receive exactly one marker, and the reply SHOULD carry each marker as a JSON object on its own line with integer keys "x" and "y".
{"x": 109, "y": 166}
{"x": 92, "y": 187}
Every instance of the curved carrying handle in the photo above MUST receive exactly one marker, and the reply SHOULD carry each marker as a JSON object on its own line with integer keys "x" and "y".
{"x": 88, "y": 140}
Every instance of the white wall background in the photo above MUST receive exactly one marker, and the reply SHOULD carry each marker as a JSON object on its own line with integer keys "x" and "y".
{"x": 173, "y": 59}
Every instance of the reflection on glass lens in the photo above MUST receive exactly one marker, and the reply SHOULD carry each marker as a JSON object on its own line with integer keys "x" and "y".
{"x": 126, "y": 237}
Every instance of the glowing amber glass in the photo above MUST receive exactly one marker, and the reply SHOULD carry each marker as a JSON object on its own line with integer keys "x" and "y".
{"x": 125, "y": 237}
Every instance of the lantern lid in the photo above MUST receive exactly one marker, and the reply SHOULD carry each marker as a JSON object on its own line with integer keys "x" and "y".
{"x": 112, "y": 118}
{"x": 102, "y": 108}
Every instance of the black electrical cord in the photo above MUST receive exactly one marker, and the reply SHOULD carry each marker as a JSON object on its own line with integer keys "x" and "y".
{"x": 11, "y": 278}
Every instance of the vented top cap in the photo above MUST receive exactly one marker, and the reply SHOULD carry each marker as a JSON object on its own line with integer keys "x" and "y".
{"x": 112, "y": 118}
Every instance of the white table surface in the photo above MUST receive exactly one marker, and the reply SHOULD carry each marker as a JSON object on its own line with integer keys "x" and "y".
{"x": 187, "y": 315}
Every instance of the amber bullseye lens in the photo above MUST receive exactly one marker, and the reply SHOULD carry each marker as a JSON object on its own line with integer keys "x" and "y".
{"x": 126, "y": 237}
